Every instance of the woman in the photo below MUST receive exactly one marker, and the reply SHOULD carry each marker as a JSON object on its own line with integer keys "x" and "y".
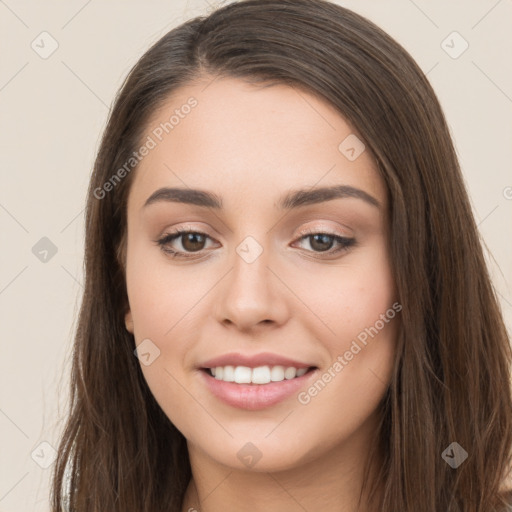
{"x": 286, "y": 304}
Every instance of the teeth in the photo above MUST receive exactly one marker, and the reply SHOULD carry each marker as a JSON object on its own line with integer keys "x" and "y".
{"x": 290, "y": 373}
{"x": 229, "y": 374}
{"x": 258, "y": 375}
{"x": 277, "y": 373}
{"x": 242, "y": 375}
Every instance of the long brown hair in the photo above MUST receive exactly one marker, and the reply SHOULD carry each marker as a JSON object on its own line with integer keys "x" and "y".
{"x": 451, "y": 379}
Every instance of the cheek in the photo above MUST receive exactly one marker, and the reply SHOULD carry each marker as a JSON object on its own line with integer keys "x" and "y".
{"x": 160, "y": 296}
{"x": 349, "y": 297}
{"x": 360, "y": 304}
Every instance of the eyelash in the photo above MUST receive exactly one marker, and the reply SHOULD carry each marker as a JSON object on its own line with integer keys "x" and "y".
{"x": 345, "y": 243}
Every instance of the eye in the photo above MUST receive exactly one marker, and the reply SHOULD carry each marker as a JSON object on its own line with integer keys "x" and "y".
{"x": 322, "y": 242}
{"x": 194, "y": 242}
{"x": 191, "y": 241}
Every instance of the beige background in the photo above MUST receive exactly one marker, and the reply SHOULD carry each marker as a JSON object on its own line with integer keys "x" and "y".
{"x": 53, "y": 111}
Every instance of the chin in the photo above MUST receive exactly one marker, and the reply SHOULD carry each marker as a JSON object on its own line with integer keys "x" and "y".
{"x": 257, "y": 454}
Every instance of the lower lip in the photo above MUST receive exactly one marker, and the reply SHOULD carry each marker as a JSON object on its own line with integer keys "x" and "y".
{"x": 255, "y": 396}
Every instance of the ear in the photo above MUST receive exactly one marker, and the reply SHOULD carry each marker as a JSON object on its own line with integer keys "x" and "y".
{"x": 128, "y": 321}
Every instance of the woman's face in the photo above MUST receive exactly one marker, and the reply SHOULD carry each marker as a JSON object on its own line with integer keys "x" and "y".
{"x": 260, "y": 286}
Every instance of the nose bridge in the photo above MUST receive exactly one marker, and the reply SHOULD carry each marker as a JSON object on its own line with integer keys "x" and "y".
{"x": 250, "y": 279}
{"x": 251, "y": 295}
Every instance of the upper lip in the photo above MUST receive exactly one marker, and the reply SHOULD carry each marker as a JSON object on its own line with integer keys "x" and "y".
{"x": 253, "y": 361}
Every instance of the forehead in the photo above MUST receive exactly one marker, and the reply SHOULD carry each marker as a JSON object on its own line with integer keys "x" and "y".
{"x": 246, "y": 142}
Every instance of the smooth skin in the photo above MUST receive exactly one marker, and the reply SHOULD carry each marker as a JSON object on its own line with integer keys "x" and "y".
{"x": 250, "y": 146}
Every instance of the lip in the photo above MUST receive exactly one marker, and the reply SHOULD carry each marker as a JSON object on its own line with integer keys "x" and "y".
{"x": 253, "y": 361}
{"x": 254, "y": 397}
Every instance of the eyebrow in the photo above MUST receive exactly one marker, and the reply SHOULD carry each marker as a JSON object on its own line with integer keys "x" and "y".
{"x": 292, "y": 199}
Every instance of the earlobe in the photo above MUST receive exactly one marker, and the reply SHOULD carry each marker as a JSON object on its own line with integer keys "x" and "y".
{"x": 128, "y": 322}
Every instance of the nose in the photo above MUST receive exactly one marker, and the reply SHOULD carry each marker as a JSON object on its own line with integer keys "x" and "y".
{"x": 251, "y": 295}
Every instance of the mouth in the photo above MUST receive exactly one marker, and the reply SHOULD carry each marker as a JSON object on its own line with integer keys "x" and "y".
{"x": 256, "y": 388}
